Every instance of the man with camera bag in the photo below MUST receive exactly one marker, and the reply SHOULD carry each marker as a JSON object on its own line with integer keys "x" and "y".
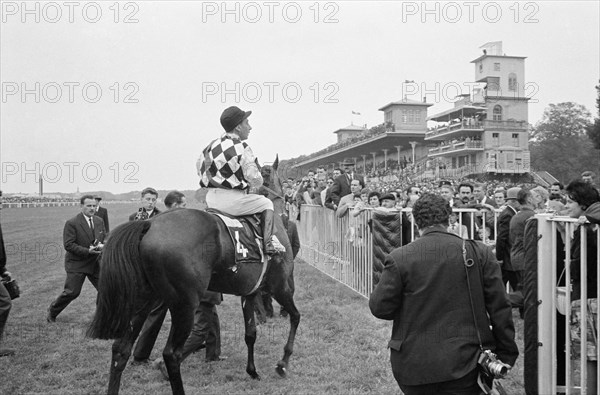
{"x": 439, "y": 290}
{"x": 5, "y": 303}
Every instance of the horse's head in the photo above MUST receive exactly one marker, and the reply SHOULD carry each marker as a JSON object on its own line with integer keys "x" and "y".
{"x": 272, "y": 186}
{"x": 271, "y": 177}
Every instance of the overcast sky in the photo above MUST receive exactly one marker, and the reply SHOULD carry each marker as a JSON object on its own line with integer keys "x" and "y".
{"x": 124, "y": 105}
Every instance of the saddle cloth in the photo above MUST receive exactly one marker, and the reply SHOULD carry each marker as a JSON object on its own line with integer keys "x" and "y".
{"x": 244, "y": 233}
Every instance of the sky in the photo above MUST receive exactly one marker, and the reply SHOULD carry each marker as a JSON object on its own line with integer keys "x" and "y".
{"x": 117, "y": 96}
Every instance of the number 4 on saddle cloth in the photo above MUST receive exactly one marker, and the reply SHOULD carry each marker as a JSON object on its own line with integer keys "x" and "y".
{"x": 245, "y": 233}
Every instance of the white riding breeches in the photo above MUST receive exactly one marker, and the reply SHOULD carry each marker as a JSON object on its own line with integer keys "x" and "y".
{"x": 237, "y": 202}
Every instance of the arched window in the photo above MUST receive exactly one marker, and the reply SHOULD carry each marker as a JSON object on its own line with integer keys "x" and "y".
{"x": 497, "y": 113}
{"x": 512, "y": 82}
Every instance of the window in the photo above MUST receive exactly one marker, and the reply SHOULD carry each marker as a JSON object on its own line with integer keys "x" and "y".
{"x": 404, "y": 116}
{"x": 480, "y": 67}
{"x": 515, "y": 139}
{"x": 496, "y": 66}
{"x": 512, "y": 82}
{"x": 411, "y": 116}
{"x": 496, "y": 139}
{"x": 417, "y": 116}
{"x": 388, "y": 116}
{"x": 497, "y": 113}
{"x": 493, "y": 83}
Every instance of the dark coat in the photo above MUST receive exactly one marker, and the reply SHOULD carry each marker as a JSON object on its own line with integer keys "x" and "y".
{"x": 155, "y": 212}
{"x": 77, "y": 239}
{"x": 503, "y": 244}
{"x": 517, "y": 236}
{"x": 341, "y": 187}
{"x": 423, "y": 288}
{"x": 593, "y": 215}
{"x": 103, "y": 213}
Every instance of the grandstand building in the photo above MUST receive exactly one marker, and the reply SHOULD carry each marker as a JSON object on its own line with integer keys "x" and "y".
{"x": 486, "y": 132}
{"x": 395, "y": 144}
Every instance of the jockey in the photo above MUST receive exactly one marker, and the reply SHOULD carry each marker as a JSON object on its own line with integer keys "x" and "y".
{"x": 228, "y": 169}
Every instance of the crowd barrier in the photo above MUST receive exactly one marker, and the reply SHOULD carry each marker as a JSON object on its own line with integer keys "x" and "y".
{"x": 342, "y": 247}
{"x": 552, "y": 300}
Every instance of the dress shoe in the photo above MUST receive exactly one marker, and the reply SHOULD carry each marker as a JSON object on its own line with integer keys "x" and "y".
{"x": 6, "y": 352}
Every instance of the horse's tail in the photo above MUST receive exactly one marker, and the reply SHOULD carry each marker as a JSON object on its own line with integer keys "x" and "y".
{"x": 121, "y": 279}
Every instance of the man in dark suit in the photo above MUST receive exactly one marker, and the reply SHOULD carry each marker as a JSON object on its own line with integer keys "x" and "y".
{"x": 341, "y": 185}
{"x": 156, "y": 317}
{"x": 516, "y": 236}
{"x": 503, "y": 244}
{"x": 102, "y": 213}
{"x": 148, "y": 209}
{"x": 481, "y": 197}
{"x": 83, "y": 236}
{"x": 435, "y": 344}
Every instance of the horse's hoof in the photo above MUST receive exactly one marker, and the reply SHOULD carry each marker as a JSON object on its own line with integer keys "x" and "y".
{"x": 281, "y": 370}
{"x": 255, "y": 376}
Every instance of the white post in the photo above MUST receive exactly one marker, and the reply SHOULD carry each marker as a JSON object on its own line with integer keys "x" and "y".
{"x": 546, "y": 314}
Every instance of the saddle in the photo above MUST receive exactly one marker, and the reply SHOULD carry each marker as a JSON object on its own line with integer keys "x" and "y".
{"x": 245, "y": 233}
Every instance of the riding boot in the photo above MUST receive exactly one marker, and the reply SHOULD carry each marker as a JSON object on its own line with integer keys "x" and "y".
{"x": 267, "y": 224}
{"x": 4, "y": 352}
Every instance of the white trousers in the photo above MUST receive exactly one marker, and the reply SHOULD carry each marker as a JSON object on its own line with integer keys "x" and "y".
{"x": 237, "y": 202}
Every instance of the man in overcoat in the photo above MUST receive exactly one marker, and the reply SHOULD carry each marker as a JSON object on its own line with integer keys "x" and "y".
{"x": 423, "y": 289}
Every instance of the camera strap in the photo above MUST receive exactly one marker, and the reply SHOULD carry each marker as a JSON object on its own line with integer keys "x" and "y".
{"x": 468, "y": 263}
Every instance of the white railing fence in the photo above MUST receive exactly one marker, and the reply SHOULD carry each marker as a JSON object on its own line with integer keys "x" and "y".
{"x": 580, "y": 364}
{"x": 342, "y": 247}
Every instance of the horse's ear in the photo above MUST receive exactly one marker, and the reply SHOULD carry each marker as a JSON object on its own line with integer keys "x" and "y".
{"x": 276, "y": 163}
{"x": 257, "y": 164}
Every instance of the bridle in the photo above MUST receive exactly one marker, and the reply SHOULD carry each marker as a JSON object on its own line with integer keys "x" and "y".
{"x": 277, "y": 195}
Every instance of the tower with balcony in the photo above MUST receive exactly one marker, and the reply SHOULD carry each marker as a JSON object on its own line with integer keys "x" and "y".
{"x": 487, "y": 130}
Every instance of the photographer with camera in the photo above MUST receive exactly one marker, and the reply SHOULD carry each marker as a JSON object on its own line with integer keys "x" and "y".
{"x": 5, "y": 299}
{"x": 452, "y": 318}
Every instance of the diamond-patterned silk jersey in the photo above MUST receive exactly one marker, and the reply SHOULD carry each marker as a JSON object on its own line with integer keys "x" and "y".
{"x": 220, "y": 164}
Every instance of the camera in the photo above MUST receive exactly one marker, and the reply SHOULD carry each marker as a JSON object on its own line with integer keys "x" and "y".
{"x": 492, "y": 366}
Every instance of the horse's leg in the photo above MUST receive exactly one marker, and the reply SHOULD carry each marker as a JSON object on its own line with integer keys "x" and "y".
{"x": 182, "y": 320}
{"x": 121, "y": 348}
{"x": 285, "y": 297}
{"x": 259, "y": 307}
{"x": 250, "y": 336}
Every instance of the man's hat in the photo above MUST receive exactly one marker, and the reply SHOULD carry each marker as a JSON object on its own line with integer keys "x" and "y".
{"x": 348, "y": 162}
{"x": 388, "y": 196}
{"x": 233, "y": 116}
{"x": 97, "y": 197}
{"x": 442, "y": 183}
{"x": 512, "y": 193}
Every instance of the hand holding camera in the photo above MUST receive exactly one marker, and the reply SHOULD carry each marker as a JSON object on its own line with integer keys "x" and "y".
{"x": 491, "y": 368}
{"x": 96, "y": 247}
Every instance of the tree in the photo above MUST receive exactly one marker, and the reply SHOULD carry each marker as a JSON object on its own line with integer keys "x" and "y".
{"x": 562, "y": 120}
{"x": 559, "y": 143}
{"x": 593, "y": 131}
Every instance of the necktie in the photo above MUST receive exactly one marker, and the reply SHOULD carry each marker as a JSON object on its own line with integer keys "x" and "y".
{"x": 91, "y": 223}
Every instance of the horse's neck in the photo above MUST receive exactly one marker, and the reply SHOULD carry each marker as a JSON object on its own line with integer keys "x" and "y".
{"x": 278, "y": 206}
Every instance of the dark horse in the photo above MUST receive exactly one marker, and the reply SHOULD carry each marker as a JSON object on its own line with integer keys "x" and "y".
{"x": 174, "y": 257}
